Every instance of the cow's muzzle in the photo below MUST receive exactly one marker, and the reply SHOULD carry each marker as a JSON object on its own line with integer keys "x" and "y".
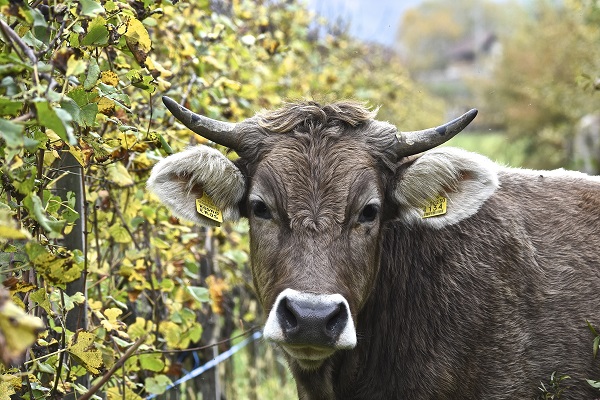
{"x": 304, "y": 323}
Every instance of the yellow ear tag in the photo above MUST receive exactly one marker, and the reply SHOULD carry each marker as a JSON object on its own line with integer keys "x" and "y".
{"x": 206, "y": 207}
{"x": 435, "y": 207}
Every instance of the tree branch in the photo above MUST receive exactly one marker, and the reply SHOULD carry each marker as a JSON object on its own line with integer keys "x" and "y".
{"x": 114, "y": 369}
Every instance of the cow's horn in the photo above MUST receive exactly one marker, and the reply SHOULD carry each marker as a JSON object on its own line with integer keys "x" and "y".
{"x": 415, "y": 142}
{"x": 220, "y": 132}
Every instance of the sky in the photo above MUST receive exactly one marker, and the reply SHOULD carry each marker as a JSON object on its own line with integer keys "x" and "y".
{"x": 370, "y": 20}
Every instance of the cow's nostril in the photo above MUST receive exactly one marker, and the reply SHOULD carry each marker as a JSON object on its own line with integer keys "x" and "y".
{"x": 287, "y": 318}
{"x": 337, "y": 319}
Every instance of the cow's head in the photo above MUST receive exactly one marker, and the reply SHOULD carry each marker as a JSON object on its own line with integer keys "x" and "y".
{"x": 317, "y": 183}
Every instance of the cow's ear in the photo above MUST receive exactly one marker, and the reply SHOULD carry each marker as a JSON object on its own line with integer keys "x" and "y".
{"x": 460, "y": 179}
{"x": 182, "y": 178}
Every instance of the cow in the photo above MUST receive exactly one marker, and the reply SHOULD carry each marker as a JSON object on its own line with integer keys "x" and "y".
{"x": 391, "y": 268}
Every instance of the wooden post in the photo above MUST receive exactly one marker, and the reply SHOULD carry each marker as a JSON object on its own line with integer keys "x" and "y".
{"x": 72, "y": 181}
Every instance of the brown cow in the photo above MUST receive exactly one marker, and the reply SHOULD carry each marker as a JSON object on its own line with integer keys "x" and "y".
{"x": 390, "y": 274}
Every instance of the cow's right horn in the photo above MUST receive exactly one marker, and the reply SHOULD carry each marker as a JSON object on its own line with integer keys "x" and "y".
{"x": 415, "y": 142}
{"x": 220, "y": 132}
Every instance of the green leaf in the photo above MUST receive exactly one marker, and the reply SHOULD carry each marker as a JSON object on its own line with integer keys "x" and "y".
{"x": 12, "y": 133}
{"x": 69, "y": 214}
{"x": 194, "y": 333}
{"x": 47, "y": 368}
{"x": 78, "y": 298}
{"x": 594, "y": 384}
{"x": 82, "y": 106}
{"x": 34, "y": 205}
{"x": 41, "y": 298}
{"x": 120, "y": 342}
{"x": 90, "y": 8}
{"x": 167, "y": 284}
{"x": 40, "y": 27}
{"x": 591, "y": 328}
{"x": 199, "y": 293}
{"x": 97, "y": 33}
{"x": 145, "y": 83}
{"x": 92, "y": 75}
{"x": 152, "y": 362}
{"x": 9, "y": 107}
{"x": 163, "y": 144}
{"x": 595, "y": 346}
{"x": 57, "y": 119}
{"x": 157, "y": 384}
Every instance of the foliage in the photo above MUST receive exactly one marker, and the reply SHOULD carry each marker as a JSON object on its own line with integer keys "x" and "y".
{"x": 431, "y": 31}
{"x": 494, "y": 145}
{"x": 534, "y": 90}
{"x": 80, "y": 82}
{"x": 555, "y": 389}
{"x": 595, "y": 345}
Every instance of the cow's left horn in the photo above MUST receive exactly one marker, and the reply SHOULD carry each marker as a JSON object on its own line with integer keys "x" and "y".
{"x": 415, "y": 142}
{"x": 220, "y": 132}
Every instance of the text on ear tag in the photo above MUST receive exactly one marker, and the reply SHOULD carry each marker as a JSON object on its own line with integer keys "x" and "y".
{"x": 206, "y": 207}
{"x": 435, "y": 207}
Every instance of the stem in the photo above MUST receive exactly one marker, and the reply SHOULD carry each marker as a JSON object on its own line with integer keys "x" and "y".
{"x": 63, "y": 345}
{"x": 114, "y": 369}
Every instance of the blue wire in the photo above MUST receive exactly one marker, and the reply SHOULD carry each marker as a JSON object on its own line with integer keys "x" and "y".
{"x": 212, "y": 363}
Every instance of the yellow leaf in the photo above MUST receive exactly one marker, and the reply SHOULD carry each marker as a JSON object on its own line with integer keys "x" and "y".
{"x": 117, "y": 174}
{"x": 113, "y": 313}
{"x": 16, "y": 162}
{"x": 173, "y": 335}
{"x": 109, "y": 78}
{"x": 8, "y": 232}
{"x": 114, "y": 393}
{"x": 6, "y": 388}
{"x": 83, "y": 350}
{"x": 112, "y": 323}
{"x": 18, "y": 330}
{"x": 139, "y": 328}
{"x": 75, "y": 67}
{"x": 95, "y": 305}
{"x": 9, "y": 228}
{"x": 119, "y": 234}
{"x": 135, "y": 30}
{"x": 137, "y": 39}
{"x": 154, "y": 65}
{"x": 216, "y": 288}
{"x": 106, "y": 106}
{"x": 78, "y": 154}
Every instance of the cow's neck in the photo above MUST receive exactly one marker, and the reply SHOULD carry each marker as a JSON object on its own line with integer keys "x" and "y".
{"x": 399, "y": 328}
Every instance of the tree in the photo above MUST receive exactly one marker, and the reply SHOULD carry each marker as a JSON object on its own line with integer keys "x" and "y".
{"x": 429, "y": 32}
{"x": 534, "y": 90}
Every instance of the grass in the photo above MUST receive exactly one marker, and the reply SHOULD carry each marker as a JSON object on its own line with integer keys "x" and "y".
{"x": 494, "y": 145}
{"x": 260, "y": 372}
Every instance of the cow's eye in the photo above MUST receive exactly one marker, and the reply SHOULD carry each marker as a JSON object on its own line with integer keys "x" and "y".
{"x": 260, "y": 209}
{"x": 369, "y": 213}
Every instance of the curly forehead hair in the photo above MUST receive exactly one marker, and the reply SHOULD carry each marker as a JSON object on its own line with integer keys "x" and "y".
{"x": 342, "y": 119}
{"x": 310, "y": 114}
